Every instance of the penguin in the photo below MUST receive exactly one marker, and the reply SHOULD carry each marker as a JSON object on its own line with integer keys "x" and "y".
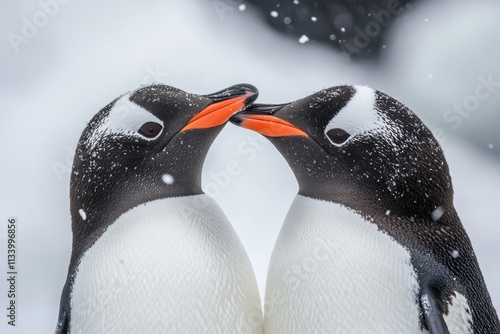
{"x": 372, "y": 242}
{"x": 152, "y": 253}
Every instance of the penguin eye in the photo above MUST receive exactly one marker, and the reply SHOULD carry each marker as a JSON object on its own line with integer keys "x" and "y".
{"x": 338, "y": 136}
{"x": 150, "y": 129}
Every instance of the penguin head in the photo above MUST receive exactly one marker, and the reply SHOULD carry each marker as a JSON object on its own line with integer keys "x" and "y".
{"x": 148, "y": 144}
{"x": 359, "y": 147}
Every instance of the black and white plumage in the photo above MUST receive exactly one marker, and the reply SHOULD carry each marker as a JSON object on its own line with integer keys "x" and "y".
{"x": 151, "y": 252}
{"x": 373, "y": 230}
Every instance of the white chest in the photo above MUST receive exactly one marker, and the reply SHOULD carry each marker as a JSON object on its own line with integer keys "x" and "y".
{"x": 333, "y": 272}
{"x": 169, "y": 266}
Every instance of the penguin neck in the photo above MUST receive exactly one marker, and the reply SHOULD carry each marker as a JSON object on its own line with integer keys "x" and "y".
{"x": 368, "y": 185}
{"x": 97, "y": 203}
{"x": 376, "y": 204}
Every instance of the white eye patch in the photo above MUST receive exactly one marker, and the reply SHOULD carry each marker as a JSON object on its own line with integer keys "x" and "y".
{"x": 359, "y": 116}
{"x": 124, "y": 118}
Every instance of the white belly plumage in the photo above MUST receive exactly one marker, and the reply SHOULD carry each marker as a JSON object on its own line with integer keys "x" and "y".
{"x": 168, "y": 266}
{"x": 331, "y": 271}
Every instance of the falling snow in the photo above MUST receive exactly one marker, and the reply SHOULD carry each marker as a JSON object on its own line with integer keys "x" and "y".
{"x": 388, "y": 212}
{"x": 274, "y": 13}
{"x": 455, "y": 254}
{"x": 437, "y": 213}
{"x": 303, "y": 39}
{"x": 342, "y": 29}
{"x": 167, "y": 179}
{"x": 82, "y": 214}
{"x": 473, "y": 194}
{"x": 314, "y": 19}
{"x": 287, "y": 20}
{"x": 242, "y": 7}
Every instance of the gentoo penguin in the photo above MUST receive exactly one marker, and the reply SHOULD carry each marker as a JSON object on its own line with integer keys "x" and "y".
{"x": 372, "y": 242}
{"x": 151, "y": 252}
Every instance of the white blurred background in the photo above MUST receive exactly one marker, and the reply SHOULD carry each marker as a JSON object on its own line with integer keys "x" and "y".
{"x": 89, "y": 52}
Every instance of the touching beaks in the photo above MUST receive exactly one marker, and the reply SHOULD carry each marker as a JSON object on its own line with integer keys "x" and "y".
{"x": 260, "y": 118}
{"x": 225, "y": 103}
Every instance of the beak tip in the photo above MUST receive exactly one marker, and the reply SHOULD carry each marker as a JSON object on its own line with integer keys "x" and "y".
{"x": 223, "y": 105}
{"x": 251, "y": 98}
{"x": 236, "y": 119}
{"x": 250, "y": 93}
{"x": 248, "y": 87}
{"x": 267, "y": 125}
{"x": 262, "y": 109}
{"x": 249, "y": 90}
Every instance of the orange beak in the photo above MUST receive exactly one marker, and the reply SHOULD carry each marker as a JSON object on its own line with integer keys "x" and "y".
{"x": 259, "y": 118}
{"x": 227, "y": 103}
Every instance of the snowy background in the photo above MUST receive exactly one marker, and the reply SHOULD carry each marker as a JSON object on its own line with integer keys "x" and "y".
{"x": 89, "y": 52}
